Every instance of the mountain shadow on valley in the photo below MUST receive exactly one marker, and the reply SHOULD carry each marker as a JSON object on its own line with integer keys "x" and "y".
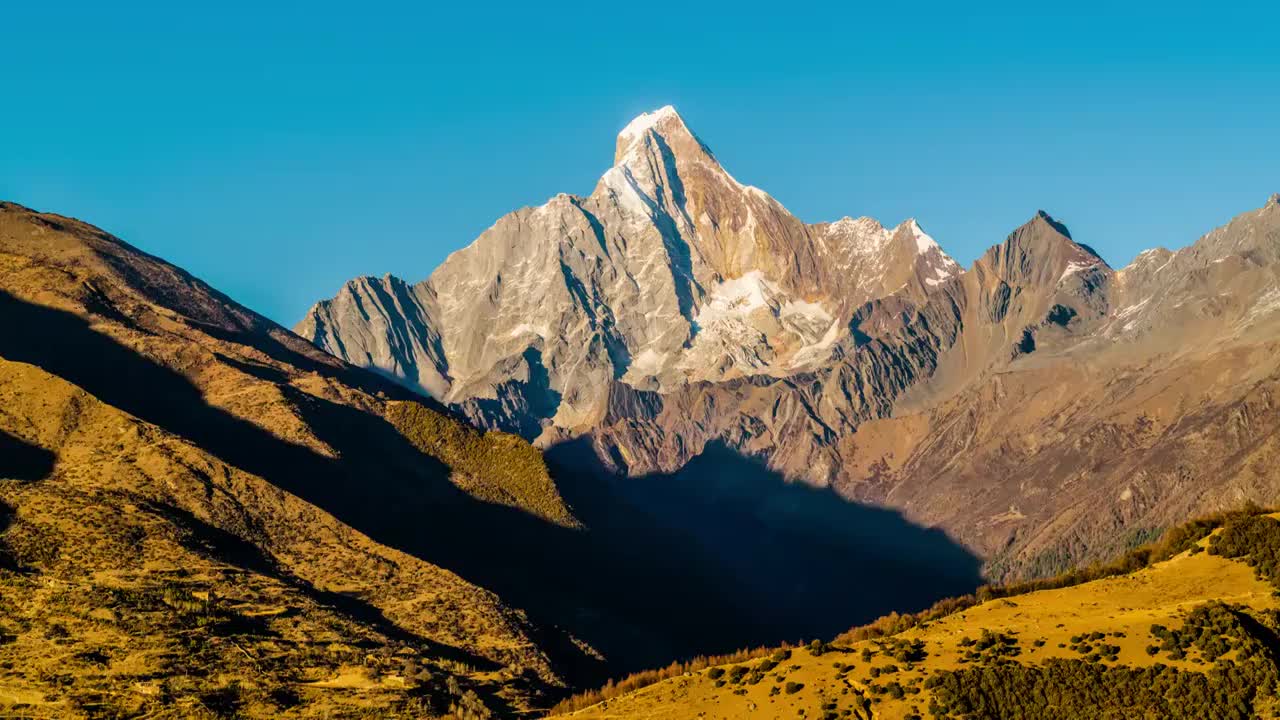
{"x": 721, "y": 555}
{"x": 788, "y": 561}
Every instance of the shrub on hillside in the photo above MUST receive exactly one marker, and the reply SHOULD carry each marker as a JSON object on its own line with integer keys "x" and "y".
{"x": 1254, "y": 538}
{"x": 1174, "y": 541}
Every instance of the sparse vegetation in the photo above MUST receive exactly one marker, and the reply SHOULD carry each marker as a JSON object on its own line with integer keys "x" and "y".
{"x": 1171, "y": 543}
{"x": 1256, "y": 538}
{"x": 902, "y": 649}
{"x": 1067, "y": 689}
{"x": 990, "y": 647}
{"x": 1070, "y": 689}
{"x": 1213, "y": 630}
{"x": 639, "y": 680}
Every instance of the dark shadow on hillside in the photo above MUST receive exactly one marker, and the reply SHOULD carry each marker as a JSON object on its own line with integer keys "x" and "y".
{"x": 567, "y": 581}
{"x": 268, "y": 340}
{"x": 24, "y": 462}
{"x": 20, "y": 460}
{"x": 218, "y": 544}
{"x": 786, "y": 561}
{"x": 520, "y": 407}
{"x": 721, "y": 555}
{"x": 224, "y": 318}
{"x": 7, "y": 560}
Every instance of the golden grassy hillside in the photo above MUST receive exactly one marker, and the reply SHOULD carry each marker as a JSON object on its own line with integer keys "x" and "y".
{"x": 201, "y": 515}
{"x": 144, "y": 575}
{"x": 1193, "y": 636}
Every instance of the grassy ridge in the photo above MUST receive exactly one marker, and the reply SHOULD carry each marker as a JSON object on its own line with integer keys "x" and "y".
{"x": 492, "y": 466}
{"x": 1174, "y": 541}
{"x": 1234, "y": 688}
{"x": 645, "y": 678}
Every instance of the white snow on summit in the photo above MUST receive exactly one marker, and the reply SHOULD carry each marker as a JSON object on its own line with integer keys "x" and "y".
{"x": 924, "y": 243}
{"x": 1074, "y": 267}
{"x": 646, "y": 121}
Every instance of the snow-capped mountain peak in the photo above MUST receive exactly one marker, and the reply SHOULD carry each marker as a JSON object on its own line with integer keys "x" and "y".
{"x": 669, "y": 272}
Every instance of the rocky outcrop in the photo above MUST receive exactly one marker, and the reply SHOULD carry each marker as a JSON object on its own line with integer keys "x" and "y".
{"x": 1042, "y": 407}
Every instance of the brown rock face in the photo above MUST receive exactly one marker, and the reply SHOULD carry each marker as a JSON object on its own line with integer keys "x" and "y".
{"x": 1039, "y": 406}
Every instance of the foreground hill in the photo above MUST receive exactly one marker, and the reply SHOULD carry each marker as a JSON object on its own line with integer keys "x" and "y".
{"x": 1195, "y": 634}
{"x": 202, "y": 515}
{"x": 1040, "y": 406}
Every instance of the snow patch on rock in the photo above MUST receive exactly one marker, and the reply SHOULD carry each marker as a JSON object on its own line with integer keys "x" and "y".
{"x": 1267, "y": 304}
{"x": 924, "y": 243}
{"x": 1074, "y": 267}
{"x": 648, "y": 362}
{"x": 734, "y": 298}
{"x": 625, "y": 190}
{"x": 942, "y": 273}
{"x": 644, "y": 122}
{"x": 524, "y": 329}
{"x": 818, "y": 351}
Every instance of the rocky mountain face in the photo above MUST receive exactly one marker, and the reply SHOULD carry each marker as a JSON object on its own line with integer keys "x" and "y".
{"x": 670, "y": 272}
{"x": 1040, "y": 406}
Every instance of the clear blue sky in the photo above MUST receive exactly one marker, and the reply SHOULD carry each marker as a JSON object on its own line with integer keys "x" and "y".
{"x": 278, "y": 151}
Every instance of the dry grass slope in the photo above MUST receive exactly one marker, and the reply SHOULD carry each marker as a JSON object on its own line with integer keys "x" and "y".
{"x": 178, "y": 483}
{"x": 139, "y": 576}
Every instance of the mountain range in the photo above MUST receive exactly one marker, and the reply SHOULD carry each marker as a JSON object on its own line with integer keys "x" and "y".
{"x": 626, "y": 430}
{"x": 1040, "y": 406}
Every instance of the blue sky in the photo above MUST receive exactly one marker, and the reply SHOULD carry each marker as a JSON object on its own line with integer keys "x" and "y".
{"x": 277, "y": 152}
